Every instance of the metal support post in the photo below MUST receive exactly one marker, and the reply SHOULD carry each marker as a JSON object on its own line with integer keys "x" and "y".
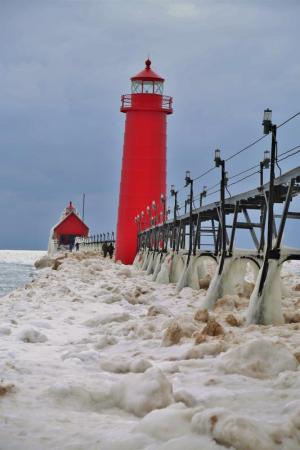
{"x": 174, "y": 194}
{"x": 270, "y": 231}
{"x": 189, "y": 181}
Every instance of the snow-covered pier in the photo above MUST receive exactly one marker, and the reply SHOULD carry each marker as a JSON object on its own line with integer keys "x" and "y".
{"x": 95, "y": 355}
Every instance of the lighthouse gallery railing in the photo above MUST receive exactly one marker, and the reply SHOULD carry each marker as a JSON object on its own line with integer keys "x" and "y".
{"x": 166, "y": 103}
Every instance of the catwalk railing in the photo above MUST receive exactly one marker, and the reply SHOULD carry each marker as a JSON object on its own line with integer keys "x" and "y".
{"x": 174, "y": 234}
{"x": 95, "y": 240}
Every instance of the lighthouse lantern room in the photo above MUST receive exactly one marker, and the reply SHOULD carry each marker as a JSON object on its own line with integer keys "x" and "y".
{"x": 143, "y": 177}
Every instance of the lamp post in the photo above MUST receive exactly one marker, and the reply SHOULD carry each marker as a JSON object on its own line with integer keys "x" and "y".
{"x": 264, "y": 164}
{"x": 137, "y": 221}
{"x": 153, "y": 205}
{"x": 148, "y": 210}
{"x": 224, "y": 177}
{"x": 189, "y": 182}
{"x": 186, "y": 203}
{"x": 174, "y": 193}
{"x": 163, "y": 201}
{"x": 142, "y": 216}
{"x": 142, "y": 220}
{"x": 269, "y": 127}
{"x": 203, "y": 195}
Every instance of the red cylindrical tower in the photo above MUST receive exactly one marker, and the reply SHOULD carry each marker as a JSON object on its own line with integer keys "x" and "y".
{"x": 143, "y": 177}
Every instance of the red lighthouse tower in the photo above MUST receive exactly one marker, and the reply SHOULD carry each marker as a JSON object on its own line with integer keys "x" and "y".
{"x": 143, "y": 177}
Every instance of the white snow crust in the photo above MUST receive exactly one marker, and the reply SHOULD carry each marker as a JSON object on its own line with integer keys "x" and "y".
{"x": 101, "y": 357}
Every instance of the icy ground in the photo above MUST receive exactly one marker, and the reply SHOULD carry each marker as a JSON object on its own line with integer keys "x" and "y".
{"x": 96, "y": 356}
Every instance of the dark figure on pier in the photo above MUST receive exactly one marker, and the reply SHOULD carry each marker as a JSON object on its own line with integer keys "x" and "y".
{"x": 110, "y": 249}
{"x": 105, "y": 249}
{"x": 77, "y": 246}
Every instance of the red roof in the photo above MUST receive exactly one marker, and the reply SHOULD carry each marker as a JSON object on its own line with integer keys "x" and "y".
{"x": 71, "y": 223}
{"x": 147, "y": 74}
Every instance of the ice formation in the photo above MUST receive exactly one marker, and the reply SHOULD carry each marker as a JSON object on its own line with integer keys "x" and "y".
{"x": 265, "y": 308}
{"x": 141, "y": 393}
{"x": 260, "y": 358}
{"x": 103, "y": 357}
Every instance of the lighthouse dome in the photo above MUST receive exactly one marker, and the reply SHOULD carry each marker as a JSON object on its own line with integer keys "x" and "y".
{"x": 147, "y": 81}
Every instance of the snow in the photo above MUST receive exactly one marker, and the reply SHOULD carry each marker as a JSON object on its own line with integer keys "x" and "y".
{"x": 103, "y": 357}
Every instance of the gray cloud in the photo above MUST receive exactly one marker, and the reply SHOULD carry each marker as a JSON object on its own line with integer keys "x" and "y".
{"x": 64, "y": 65}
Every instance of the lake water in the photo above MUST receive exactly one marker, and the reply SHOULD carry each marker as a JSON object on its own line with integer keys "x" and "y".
{"x": 16, "y": 268}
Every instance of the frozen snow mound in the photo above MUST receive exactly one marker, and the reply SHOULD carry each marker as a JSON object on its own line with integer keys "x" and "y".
{"x": 105, "y": 340}
{"x": 87, "y": 356}
{"x": 143, "y": 392}
{"x": 167, "y": 423}
{"x": 232, "y": 430}
{"x": 125, "y": 272}
{"x": 32, "y": 335}
{"x": 124, "y": 365}
{"x": 5, "y": 329}
{"x": 103, "y": 319}
{"x": 44, "y": 261}
{"x": 81, "y": 398}
{"x": 189, "y": 442}
{"x": 260, "y": 358}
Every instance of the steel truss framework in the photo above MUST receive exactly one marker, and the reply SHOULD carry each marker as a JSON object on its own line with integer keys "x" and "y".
{"x": 207, "y": 222}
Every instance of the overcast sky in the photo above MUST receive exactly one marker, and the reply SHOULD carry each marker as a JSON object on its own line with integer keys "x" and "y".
{"x": 65, "y": 63}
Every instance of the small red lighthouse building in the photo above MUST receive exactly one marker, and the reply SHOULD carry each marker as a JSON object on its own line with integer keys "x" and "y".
{"x": 69, "y": 227}
{"x": 143, "y": 178}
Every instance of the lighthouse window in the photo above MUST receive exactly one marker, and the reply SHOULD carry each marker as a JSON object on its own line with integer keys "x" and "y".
{"x": 148, "y": 87}
{"x": 158, "y": 87}
{"x": 136, "y": 87}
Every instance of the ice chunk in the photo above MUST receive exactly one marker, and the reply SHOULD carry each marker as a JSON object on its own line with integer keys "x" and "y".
{"x": 232, "y": 430}
{"x": 259, "y": 358}
{"x": 189, "y": 442}
{"x": 185, "y": 397}
{"x": 124, "y": 365}
{"x": 107, "y": 318}
{"x": 167, "y": 423}
{"x": 32, "y": 335}
{"x": 84, "y": 356}
{"x": 141, "y": 393}
{"x": 5, "y": 329}
{"x": 104, "y": 341}
{"x": 178, "y": 328}
{"x": 125, "y": 272}
{"x": 205, "y": 349}
{"x": 81, "y": 397}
